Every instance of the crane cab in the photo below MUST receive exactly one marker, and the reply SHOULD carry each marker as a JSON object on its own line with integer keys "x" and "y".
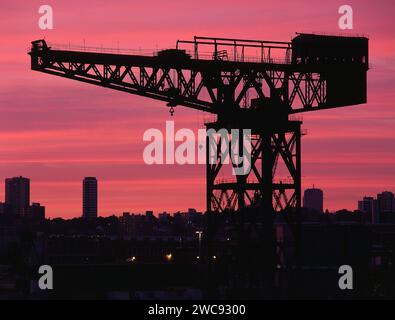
{"x": 343, "y": 63}
{"x": 323, "y": 49}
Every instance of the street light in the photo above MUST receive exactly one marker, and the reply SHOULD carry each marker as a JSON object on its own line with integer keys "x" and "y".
{"x": 199, "y": 233}
{"x": 169, "y": 256}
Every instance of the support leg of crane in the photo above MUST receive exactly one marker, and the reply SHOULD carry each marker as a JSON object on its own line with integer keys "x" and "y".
{"x": 255, "y": 198}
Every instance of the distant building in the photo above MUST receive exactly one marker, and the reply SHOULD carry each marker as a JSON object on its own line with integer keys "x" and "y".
{"x": 8, "y": 237}
{"x": 137, "y": 224}
{"x": 314, "y": 199}
{"x": 3, "y": 208}
{"x": 192, "y": 216}
{"x": 89, "y": 197}
{"x": 17, "y": 195}
{"x": 37, "y": 211}
{"x": 127, "y": 224}
{"x": 164, "y": 217}
{"x": 149, "y": 214}
{"x": 386, "y": 202}
{"x": 368, "y": 206}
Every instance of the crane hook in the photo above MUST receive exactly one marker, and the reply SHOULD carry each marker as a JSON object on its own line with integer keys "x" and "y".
{"x": 171, "y": 111}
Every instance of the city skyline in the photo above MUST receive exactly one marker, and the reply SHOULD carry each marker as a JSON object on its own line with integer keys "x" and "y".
{"x": 70, "y": 128}
{"x": 90, "y": 204}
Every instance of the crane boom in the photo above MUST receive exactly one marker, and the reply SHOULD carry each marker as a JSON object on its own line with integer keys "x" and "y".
{"x": 305, "y": 78}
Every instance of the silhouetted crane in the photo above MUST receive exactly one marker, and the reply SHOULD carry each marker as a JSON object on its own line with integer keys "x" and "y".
{"x": 255, "y": 91}
{"x": 248, "y": 84}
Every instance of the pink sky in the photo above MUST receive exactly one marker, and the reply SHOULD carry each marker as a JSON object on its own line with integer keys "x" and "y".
{"x": 56, "y": 131}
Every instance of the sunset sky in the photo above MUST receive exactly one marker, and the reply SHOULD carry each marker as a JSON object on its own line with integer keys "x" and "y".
{"x": 56, "y": 131}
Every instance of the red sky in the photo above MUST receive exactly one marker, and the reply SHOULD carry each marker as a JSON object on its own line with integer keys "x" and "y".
{"x": 56, "y": 131}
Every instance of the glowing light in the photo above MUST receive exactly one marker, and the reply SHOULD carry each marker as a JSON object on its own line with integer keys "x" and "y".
{"x": 169, "y": 256}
